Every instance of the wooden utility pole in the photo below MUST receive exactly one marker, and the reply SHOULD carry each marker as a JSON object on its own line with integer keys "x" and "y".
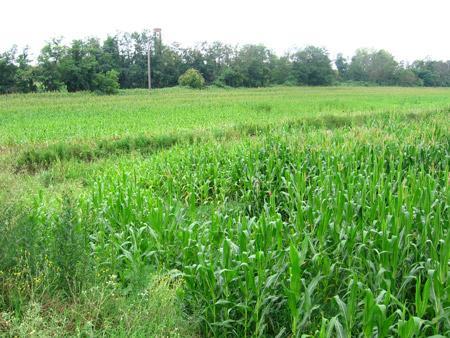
{"x": 149, "y": 68}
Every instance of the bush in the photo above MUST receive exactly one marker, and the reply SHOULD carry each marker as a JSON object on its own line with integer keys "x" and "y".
{"x": 192, "y": 78}
{"x": 107, "y": 83}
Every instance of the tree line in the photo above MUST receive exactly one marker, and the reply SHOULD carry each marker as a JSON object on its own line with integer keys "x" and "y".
{"x": 120, "y": 61}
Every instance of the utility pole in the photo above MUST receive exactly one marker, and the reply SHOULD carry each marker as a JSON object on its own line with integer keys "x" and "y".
{"x": 149, "y": 51}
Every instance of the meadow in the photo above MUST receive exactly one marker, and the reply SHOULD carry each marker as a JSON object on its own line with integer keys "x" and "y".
{"x": 273, "y": 212}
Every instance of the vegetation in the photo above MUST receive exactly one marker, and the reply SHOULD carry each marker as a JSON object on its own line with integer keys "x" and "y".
{"x": 282, "y": 211}
{"x": 83, "y": 65}
{"x": 107, "y": 83}
{"x": 192, "y": 78}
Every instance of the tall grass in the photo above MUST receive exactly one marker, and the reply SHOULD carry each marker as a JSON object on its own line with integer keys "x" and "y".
{"x": 349, "y": 236}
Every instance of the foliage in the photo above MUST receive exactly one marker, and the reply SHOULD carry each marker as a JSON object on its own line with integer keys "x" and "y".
{"x": 49, "y": 71}
{"x": 379, "y": 67}
{"x": 104, "y": 310}
{"x": 74, "y": 66}
{"x": 282, "y": 70}
{"x": 264, "y": 212}
{"x": 254, "y": 64}
{"x": 407, "y": 78}
{"x": 16, "y": 75}
{"x": 342, "y": 67}
{"x": 107, "y": 83}
{"x": 7, "y": 71}
{"x": 192, "y": 78}
{"x": 433, "y": 73}
{"x": 230, "y": 77}
{"x": 311, "y": 66}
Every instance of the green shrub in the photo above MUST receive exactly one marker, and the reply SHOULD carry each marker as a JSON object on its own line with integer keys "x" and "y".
{"x": 107, "y": 83}
{"x": 192, "y": 78}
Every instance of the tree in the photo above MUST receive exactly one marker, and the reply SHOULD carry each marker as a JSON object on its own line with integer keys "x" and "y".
{"x": 192, "y": 78}
{"x": 342, "y": 67}
{"x": 312, "y": 66}
{"x": 110, "y": 57}
{"x": 254, "y": 63}
{"x": 358, "y": 69}
{"x": 49, "y": 65}
{"x": 80, "y": 65}
{"x": 217, "y": 58}
{"x": 16, "y": 73}
{"x": 25, "y": 77}
{"x": 406, "y": 77}
{"x": 166, "y": 67}
{"x": 432, "y": 73}
{"x": 107, "y": 83}
{"x": 134, "y": 48}
{"x": 382, "y": 68}
{"x": 373, "y": 66}
{"x": 87, "y": 65}
{"x": 8, "y": 71}
{"x": 282, "y": 70}
{"x": 230, "y": 77}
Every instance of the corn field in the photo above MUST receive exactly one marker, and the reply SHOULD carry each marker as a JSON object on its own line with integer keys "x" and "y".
{"x": 337, "y": 228}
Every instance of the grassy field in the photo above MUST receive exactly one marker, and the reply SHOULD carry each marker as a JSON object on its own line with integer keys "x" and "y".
{"x": 281, "y": 212}
{"x": 49, "y": 118}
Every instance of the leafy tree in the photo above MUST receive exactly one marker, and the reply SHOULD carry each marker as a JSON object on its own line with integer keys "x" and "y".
{"x": 193, "y": 58}
{"x": 134, "y": 48}
{"x": 406, "y": 77}
{"x": 217, "y": 57}
{"x": 230, "y": 77}
{"x": 109, "y": 58}
{"x": 107, "y": 83}
{"x": 382, "y": 68}
{"x": 49, "y": 65}
{"x": 25, "y": 75}
{"x": 358, "y": 69}
{"x": 166, "y": 67}
{"x": 254, "y": 63}
{"x": 192, "y": 78}
{"x": 8, "y": 71}
{"x": 87, "y": 65}
{"x": 80, "y": 65}
{"x": 282, "y": 70}
{"x": 312, "y": 66}
{"x": 432, "y": 73}
{"x": 373, "y": 66}
{"x": 342, "y": 67}
{"x": 16, "y": 73}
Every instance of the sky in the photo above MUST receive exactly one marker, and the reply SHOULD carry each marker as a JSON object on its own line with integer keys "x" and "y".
{"x": 409, "y": 29}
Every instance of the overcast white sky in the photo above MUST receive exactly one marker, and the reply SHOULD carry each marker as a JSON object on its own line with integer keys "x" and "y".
{"x": 409, "y": 29}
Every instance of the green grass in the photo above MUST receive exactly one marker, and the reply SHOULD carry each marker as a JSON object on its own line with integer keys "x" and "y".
{"x": 254, "y": 212}
{"x": 52, "y": 118}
